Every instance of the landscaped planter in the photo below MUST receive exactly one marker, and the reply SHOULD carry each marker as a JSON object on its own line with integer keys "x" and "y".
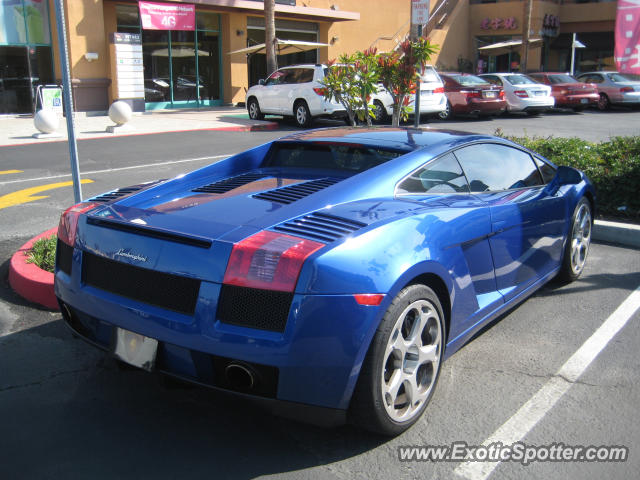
{"x": 30, "y": 281}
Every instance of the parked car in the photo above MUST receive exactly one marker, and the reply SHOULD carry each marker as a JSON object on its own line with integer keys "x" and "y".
{"x": 568, "y": 92}
{"x": 522, "y": 93}
{"x": 614, "y": 88}
{"x": 327, "y": 274}
{"x": 472, "y": 95}
{"x": 432, "y": 97}
{"x": 293, "y": 91}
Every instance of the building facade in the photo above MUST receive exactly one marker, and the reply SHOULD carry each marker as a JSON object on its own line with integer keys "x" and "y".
{"x": 174, "y": 67}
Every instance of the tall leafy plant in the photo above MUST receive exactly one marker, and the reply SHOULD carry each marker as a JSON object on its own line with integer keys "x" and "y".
{"x": 351, "y": 81}
{"x": 399, "y": 72}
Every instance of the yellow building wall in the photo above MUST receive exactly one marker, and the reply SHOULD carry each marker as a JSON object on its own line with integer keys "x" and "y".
{"x": 234, "y": 67}
{"x": 453, "y": 38}
{"x": 86, "y": 34}
{"x": 592, "y": 12}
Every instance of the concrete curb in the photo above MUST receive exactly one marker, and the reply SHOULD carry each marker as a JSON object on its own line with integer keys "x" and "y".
{"x": 623, "y": 234}
{"x": 29, "y": 281}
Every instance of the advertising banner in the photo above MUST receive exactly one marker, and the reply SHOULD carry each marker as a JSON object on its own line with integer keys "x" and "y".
{"x": 167, "y": 16}
{"x": 627, "y": 52}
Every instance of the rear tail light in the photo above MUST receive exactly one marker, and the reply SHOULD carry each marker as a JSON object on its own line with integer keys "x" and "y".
{"x": 69, "y": 222}
{"x": 521, "y": 93}
{"x": 438, "y": 90}
{"x": 626, "y": 89}
{"x": 320, "y": 91}
{"x": 269, "y": 261}
{"x": 371, "y": 299}
{"x": 501, "y": 94}
{"x": 471, "y": 93}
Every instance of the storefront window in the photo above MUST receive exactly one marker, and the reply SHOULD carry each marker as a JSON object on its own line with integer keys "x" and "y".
{"x": 176, "y": 73}
{"x": 25, "y": 53}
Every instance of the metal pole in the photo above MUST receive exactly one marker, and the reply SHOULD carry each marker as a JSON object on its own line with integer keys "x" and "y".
{"x": 67, "y": 97}
{"x": 416, "y": 102}
{"x": 573, "y": 52}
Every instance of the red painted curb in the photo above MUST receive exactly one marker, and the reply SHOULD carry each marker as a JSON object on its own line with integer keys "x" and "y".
{"x": 30, "y": 281}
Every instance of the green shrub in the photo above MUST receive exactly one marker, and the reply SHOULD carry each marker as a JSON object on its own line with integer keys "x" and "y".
{"x": 613, "y": 167}
{"x": 43, "y": 253}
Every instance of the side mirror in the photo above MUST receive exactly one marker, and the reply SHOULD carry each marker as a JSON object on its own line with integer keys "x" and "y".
{"x": 261, "y": 81}
{"x": 568, "y": 176}
{"x": 564, "y": 176}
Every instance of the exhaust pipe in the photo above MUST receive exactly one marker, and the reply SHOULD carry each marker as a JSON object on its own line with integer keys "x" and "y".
{"x": 240, "y": 377}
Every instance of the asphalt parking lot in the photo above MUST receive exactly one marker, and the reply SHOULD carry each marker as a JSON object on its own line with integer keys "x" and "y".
{"x": 70, "y": 412}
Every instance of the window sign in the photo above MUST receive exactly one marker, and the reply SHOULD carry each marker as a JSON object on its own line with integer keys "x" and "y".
{"x": 167, "y": 16}
{"x": 24, "y": 21}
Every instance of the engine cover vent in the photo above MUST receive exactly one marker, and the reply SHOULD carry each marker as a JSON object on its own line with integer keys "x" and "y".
{"x": 321, "y": 227}
{"x": 292, "y": 193}
{"x": 228, "y": 184}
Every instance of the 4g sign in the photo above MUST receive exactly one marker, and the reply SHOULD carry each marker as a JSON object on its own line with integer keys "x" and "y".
{"x": 167, "y": 16}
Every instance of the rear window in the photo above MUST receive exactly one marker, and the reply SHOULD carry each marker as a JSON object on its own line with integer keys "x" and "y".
{"x": 561, "y": 79}
{"x": 430, "y": 75}
{"x": 627, "y": 77}
{"x": 519, "y": 80}
{"x": 469, "y": 80}
{"x": 334, "y": 156}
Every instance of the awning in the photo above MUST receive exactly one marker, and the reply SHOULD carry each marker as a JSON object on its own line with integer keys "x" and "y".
{"x": 508, "y": 46}
{"x": 283, "y": 47}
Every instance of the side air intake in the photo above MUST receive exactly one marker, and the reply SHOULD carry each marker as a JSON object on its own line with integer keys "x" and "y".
{"x": 292, "y": 193}
{"x": 321, "y": 227}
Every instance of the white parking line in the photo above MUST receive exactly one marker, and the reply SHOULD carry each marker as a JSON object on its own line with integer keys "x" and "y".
{"x": 109, "y": 170}
{"x": 537, "y": 407}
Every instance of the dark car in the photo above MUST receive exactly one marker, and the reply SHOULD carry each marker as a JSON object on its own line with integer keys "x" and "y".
{"x": 568, "y": 92}
{"x": 471, "y": 95}
{"x": 327, "y": 274}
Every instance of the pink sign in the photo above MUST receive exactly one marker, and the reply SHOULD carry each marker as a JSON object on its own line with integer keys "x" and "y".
{"x": 167, "y": 16}
{"x": 627, "y": 52}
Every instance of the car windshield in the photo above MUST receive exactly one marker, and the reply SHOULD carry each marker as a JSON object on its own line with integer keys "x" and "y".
{"x": 561, "y": 78}
{"x": 328, "y": 156}
{"x": 519, "y": 79}
{"x": 627, "y": 77}
{"x": 469, "y": 80}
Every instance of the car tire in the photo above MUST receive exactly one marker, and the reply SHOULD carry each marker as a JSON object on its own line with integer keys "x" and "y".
{"x": 379, "y": 112}
{"x": 254, "y": 110}
{"x": 401, "y": 368}
{"x": 447, "y": 113}
{"x": 301, "y": 114}
{"x": 603, "y": 102}
{"x": 577, "y": 244}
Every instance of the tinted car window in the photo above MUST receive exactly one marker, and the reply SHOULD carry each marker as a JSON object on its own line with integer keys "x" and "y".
{"x": 547, "y": 171}
{"x": 554, "y": 79}
{"x": 490, "y": 166}
{"x": 276, "y": 78}
{"x": 468, "y": 80}
{"x": 351, "y": 158}
{"x": 305, "y": 75}
{"x": 440, "y": 176}
{"x": 493, "y": 79}
{"x": 627, "y": 77}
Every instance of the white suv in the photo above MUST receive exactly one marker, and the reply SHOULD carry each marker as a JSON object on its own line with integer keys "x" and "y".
{"x": 432, "y": 97}
{"x": 293, "y": 91}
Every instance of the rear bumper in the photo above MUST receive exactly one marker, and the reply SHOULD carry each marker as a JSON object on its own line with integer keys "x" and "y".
{"x": 314, "y": 361}
{"x": 577, "y": 100}
{"x": 481, "y": 106}
{"x": 531, "y": 104}
{"x": 313, "y": 414}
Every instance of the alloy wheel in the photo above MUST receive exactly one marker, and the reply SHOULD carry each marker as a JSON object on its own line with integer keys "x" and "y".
{"x": 581, "y": 239}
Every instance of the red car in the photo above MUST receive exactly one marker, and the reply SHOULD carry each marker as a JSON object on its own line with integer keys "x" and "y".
{"x": 468, "y": 94}
{"x": 568, "y": 92}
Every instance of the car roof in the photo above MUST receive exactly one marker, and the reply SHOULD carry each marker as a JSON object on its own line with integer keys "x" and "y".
{"x": 396, "y": 138}
{"x": 302, "y": 65}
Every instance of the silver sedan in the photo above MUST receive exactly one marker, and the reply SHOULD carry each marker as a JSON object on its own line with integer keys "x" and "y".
{"x": 614, "y": 88}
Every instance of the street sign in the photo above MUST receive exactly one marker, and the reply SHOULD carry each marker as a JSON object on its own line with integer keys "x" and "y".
{"x": 419, "y": 12}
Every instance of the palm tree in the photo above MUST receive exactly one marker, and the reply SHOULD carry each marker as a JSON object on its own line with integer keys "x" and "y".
{"x": 270, "y": 35}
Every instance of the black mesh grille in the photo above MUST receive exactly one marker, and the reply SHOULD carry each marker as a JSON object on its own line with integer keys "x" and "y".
{"x": 320, "y": 226}
{"x": 148, "y": 286}
{"x": 254, "y": 308}
{"x": 228, "y": 184}
{"x": 64, "y": 257}
{"x": 292, "y": 193}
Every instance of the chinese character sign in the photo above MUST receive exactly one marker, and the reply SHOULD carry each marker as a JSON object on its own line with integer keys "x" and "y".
{"x": 167, "y": 16}
{"x": 627, "y": 51}
{"x": 509, "y": 23}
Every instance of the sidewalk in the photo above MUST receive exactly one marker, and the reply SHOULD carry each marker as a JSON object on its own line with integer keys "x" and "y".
{"x": 15, "y": 130}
